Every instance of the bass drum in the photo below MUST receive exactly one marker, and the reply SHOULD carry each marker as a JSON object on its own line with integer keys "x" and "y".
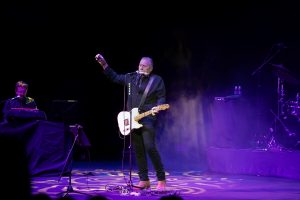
{"x": 289, "y": 132}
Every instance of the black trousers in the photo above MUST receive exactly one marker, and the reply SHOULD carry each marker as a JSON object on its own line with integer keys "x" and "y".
{"x": 143, "y": 140}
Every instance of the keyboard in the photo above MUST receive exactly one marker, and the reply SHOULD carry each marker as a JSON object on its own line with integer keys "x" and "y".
{"x": 26, "y": 113}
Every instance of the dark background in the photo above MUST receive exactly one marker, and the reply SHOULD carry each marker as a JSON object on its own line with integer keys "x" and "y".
{"x": 201, "y": 50}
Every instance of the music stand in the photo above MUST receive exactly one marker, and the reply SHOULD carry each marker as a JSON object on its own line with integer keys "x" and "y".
{"x": 77, "y": 131}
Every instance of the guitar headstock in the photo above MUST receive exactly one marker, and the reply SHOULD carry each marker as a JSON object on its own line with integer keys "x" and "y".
{"x": 163, "y": 106}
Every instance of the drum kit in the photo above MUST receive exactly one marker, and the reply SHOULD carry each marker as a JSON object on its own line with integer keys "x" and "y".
{"x": 285, "y": 133}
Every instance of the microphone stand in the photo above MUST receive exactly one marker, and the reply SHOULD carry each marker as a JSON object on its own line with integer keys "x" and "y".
{"x": 129, "y": 183}
{"x": 70, "y": 188}
{"x": 127, "y": 104}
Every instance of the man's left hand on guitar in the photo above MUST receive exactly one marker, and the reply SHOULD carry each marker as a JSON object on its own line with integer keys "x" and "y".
{"x": 154, "y": 110}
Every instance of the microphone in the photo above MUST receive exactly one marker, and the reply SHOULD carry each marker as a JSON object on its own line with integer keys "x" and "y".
{"x": 133, "y": 72}
{"x": 139, "y": 73}
{"x": 281, "y": 45}
{"x": 143, "y": 73}
{"x": 16, "y": 97}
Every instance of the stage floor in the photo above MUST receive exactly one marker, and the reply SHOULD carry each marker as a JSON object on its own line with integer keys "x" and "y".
{"x": 110, "y": 180}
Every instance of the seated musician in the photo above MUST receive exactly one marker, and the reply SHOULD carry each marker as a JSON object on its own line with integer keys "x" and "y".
{"x": 20, "y": 102}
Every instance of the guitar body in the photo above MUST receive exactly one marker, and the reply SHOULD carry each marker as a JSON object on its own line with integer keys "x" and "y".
{"x": 124, "y": 120}
{"x": 129, "y": 120}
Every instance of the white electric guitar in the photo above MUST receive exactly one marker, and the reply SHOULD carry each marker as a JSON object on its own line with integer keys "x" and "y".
{"x": 124, "y": 120}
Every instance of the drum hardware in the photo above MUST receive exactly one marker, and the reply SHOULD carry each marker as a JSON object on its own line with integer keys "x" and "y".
{"x": 293, "y": 107}
{"x": 273, "y": 144}
{"x": 283, "y": 75}
{"x": 289, "y": 124}
{"x": 285, "y": 128}
{"x": 278, "y": 123}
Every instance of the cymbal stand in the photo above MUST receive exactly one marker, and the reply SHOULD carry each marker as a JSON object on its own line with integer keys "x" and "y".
{"x": 272, "y": 144}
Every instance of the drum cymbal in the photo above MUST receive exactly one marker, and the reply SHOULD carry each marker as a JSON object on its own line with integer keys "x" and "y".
{"x": 285, "y": 74}
{"x": 280, "y": 67}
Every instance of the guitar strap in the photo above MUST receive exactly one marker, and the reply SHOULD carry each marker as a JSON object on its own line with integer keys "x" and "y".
{"x": 146, "y": 90}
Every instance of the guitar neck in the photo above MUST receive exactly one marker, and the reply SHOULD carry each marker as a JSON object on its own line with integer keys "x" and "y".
{"x": 140, "y": 116}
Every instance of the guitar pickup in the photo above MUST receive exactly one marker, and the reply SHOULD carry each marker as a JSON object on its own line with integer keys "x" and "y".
{"x": 126, "y": 122}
